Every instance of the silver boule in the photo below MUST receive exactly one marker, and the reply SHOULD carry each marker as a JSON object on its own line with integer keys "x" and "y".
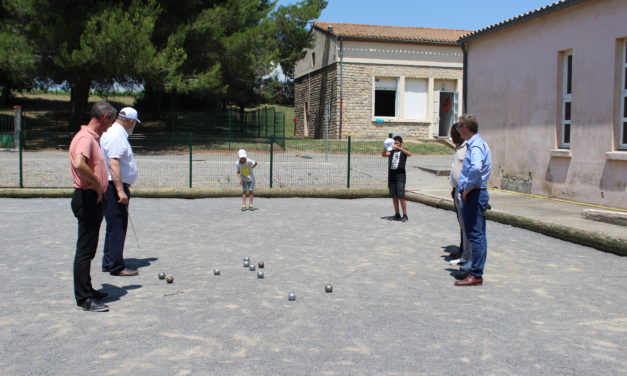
{"x": 259, "y": 274}
{"x": 251, "y": 267}
{"x": 246, "y": 263}
{"x": 216, "y": 271}
{"x": 162, "y": 275}
{"x": 291, "y": 296}
{"x": 328, "y": 288}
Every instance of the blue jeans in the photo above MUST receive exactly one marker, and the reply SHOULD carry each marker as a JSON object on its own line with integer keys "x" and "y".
{"x": 473, "y": 209}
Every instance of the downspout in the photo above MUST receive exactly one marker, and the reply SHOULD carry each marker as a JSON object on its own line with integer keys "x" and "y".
{"x": 465, "y": 79}
{"x": 341, "y": 85}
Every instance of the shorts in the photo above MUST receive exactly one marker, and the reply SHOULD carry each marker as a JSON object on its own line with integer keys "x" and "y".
{"x": 396, "y": 184}
{"x": 248, "y": 185}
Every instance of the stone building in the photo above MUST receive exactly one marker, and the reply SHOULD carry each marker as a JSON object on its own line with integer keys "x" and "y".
{"x": 368, "y": 81}
{"x": 549, "y": 89}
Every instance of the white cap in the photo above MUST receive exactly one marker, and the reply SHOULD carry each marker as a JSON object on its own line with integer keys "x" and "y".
{"x": 129, "y": 113}
{"x": 388, "y": 143}
{"x": 241, "y": 153}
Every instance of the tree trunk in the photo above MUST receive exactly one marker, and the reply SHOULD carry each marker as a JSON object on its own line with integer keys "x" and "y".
{"x": 4, "y": 95}
{"x": 79, "y": 96}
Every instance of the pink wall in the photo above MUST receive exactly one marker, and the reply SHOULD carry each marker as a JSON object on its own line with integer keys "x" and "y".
{"x": 513, "y": 91}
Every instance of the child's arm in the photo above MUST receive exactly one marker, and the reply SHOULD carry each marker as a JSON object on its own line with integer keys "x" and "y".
{"x": 255, "y": 165}
{"x": 385, "y": 153}
{"x": 404, "y": 151}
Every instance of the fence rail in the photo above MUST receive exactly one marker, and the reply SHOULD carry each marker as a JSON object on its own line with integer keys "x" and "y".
{"x": 197, "y": 160}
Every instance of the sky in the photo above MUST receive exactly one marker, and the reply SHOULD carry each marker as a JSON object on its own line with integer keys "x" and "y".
{"x": 450, "y": 14}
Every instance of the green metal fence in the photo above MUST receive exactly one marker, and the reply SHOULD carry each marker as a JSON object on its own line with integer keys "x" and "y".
{"x": 200, "y": 160}
{"x": 263, "y": 122}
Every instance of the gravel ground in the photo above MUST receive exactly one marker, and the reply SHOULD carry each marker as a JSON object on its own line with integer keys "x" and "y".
{"x": 547, "y": 307}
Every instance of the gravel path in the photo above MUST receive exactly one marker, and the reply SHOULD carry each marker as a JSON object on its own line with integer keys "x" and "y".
{"x": 547, "y": 307}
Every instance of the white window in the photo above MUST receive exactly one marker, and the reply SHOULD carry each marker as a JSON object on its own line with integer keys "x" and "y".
{"x": 623, "y": 100}
{"x": 415, "y": 99}
{"x": 385, "y": 98}
{"x": 567, "y": 89}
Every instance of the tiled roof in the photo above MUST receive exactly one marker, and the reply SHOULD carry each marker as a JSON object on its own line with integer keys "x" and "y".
{"x": 393, "y": 33}
{"x": 522, "y": 18}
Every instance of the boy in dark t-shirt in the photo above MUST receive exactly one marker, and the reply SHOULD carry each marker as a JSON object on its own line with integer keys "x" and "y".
{"x": 396, "y": 176}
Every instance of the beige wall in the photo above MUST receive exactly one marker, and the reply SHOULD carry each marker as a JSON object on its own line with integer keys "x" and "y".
{"x": 513, "y": 89}
{"x": 305, "y": 65}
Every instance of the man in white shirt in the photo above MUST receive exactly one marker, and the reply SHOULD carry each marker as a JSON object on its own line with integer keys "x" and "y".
{"x": 122, "y": 168}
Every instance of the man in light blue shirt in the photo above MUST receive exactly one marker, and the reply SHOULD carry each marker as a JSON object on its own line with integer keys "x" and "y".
{"x": 473, "y": 183}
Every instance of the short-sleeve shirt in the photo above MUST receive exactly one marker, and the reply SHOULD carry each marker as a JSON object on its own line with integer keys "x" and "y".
{"x": 397, "y": 162}
{"x": 246, "y": 170}
{"x": 114, "y": 144}
{"x": 86, "y": 142}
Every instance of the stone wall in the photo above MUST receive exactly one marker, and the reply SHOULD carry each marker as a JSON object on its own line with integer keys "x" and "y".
{"x": 358, "y": 96}
{"x": 318, "y": 90}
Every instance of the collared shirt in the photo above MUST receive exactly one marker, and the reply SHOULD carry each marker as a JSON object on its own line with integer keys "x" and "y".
{"x": 115, "y": 145}
{"x": 85, "y": 142}
{"x": 477, "y": 165}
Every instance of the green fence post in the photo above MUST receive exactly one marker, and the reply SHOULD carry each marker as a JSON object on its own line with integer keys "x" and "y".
{"x": 348, "y": 171}
{"x": 190, "y": 159}
{"x": 20, "y": 142}
{"x": 230, "y": 125}
{"x": 271, "y": 157}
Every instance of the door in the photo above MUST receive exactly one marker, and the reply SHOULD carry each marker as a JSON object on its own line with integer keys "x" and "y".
{"x": 447, "y": 113}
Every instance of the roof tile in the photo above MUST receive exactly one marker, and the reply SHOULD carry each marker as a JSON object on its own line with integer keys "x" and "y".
{"x": 393, "y": 33}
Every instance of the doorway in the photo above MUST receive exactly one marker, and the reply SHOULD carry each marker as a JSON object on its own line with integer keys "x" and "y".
{"x": 448, "y": 112}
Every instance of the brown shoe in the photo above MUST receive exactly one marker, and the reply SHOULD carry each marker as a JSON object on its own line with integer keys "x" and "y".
{"x": 126, "y": 272}
{"x": 470, "y": 280}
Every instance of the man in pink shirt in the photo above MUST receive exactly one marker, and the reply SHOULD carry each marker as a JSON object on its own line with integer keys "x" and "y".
{"x": 89, "y": 175}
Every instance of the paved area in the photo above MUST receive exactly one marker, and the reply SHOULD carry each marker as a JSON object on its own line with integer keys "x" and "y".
{"x": 542, "y": 211}
{"x": 547, "y": 307}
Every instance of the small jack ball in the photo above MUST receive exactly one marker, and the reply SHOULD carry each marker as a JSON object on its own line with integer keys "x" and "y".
{"x": 162, "y": 275}
{"x": 259, "y": 274}
{"x": 261, "y": 265}
{"x": 216, "y": 271}
{"x": 251, "y": 267}
{"x": 169, "y": 279}
{"x": 328, "y": 288}
{"x": 246, "y": 263}
{"x": 291, "y": 296}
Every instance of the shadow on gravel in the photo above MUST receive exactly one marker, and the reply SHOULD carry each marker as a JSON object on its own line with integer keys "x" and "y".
{"x": 135, "y": 263}
{"x": 115, "y": 292}
{"x": 456, "y": 273}
{"x": 449, "y": 250}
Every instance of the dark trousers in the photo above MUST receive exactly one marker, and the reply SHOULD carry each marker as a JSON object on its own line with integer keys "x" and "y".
{"x": 88, "y": 212}
{"x": 473, "y": 209}
{"x": 117, "y": 221}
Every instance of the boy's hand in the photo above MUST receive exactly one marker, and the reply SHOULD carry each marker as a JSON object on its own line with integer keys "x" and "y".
{"x": 241, "y": 182}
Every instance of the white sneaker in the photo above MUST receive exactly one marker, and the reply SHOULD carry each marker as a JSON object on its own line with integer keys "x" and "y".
{"x": 459, "y": 261}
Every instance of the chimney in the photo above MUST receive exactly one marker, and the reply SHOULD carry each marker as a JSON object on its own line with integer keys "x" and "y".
{"x": 330, "y": 29}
